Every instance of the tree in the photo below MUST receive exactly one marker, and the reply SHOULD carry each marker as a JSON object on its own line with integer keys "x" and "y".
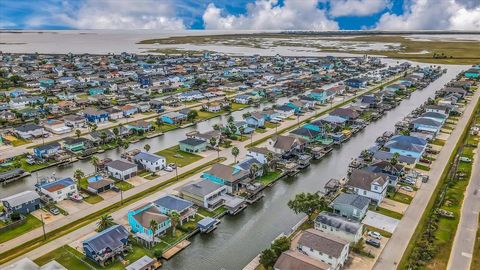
{"x": 192, "y": 115}
{"x": 280, "y": 245}
{"x": 153, "y": 226}
{"x": 241, "y": 130}
{"x": 235, "y": 152}
{"x": 78, "y": 175}
{"x": 103, "y": 137}
{"x": 268, "y": 258}
{"x": 94, "y": 127}
{"x": 125, "y": 144}
{"x": 78, "y": 133}
{"x": 394, "y": 159}
{"x": 95, "y": 161}
{"x": 213, "y": 142}
{"x": 147, "y": 147}
{"x": 254, "y": 170}
{"x": 270, "y": 158}
{"x": 307, "y": 203}
{"x": 105, "y": 222}
{"x": 230, "y": 119}
{"x": 36, "y": 121}
{"x": 174, "y": 220}
{"x": 116, "y": 131}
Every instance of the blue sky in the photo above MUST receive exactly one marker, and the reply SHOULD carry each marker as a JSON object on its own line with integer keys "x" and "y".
{"x": 241, "y": 14}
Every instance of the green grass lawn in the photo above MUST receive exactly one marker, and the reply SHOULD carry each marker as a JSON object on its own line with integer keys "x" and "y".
{"x": 206, "y": 213}
{"x": 93, "y": 199}
{"x": 173, "y": 154}
{"x": 382, "y": 232}
{"x": 68, "y": 257}
{"x": 238, "y": 106}
{"x": 31, "y": 223}
{"x": 400, "y": 197}
{"x": 19, "y": 142}
{"x": 439, "y": 142}
{"x": 271, "y": 125}
{"x": 207, "y": 115}
{"x": 389, "y": 213}
{"x": 260, "y": 130}
{"x": 123, "y": 185}
{"x": 422, "y": 167}
{"x": 268, "y": 177}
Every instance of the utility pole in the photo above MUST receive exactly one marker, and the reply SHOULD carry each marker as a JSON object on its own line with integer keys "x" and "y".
{"x": 176, "y": 170}
{"x": 43, "y": 227}
{"x": 121, "y": 197}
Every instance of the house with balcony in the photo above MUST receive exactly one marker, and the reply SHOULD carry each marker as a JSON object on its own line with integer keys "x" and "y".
{"x": 58, "y": 190}
{"x": 171, "y": 203}
{"x": 74, "y": 121}
{"x": 47, "y": 150}
{"x": 368, "y": 184}
{"x": 173, "y": 118}
{"x": 95, "y": 116}
{"x": 140, "y": 220}
{"x": 75, "y": 144}
{"x": 351, "y": 206}
{"x": 150, "y": 162}
{"x": 121, "y": 170}
{"x": 105, "y": 246}
{"x": 204, "y": 193}
{"x": 255, "y": 120}
{"x": 24, "y": 203}
{"x": 286, "y": 145}
{"x": 233, "y": 178}
{"x": 29, "y": 131}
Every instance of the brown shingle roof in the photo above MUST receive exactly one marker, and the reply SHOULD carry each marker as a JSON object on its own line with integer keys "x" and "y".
{"x": 363, "y": 179}
{"x": 293, "y": 260}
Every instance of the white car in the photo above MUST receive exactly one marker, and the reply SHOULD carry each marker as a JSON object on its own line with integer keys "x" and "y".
{"x": 375, "y": 235}
{"x": 168, "y": 169}
{"x": 406, "y": 188}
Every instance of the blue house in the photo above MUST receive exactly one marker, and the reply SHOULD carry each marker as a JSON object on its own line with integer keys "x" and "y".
{"x": 106, "y": 245}
{"x": 23, "y": 203}
{"x": 472, "y": 73}
{"x": 140, "y": 220}
{"x": 356, "y": 83}
{"x": 95, "y": 116}
{"x": 226, "y": 175}
{"x": 170, "y": 203}
{"x": 96, "y": 91}
{"x": 144, "y": 81}
{"x": 173, "y": 118}
{"x": 47, "y": 149}
{"x": 255, "y": 119}
{"x": 319, "y": 95}
{"x": 427, "y": 124}
{"x": 406, "y": 146}
{"x": 46, "y": 83}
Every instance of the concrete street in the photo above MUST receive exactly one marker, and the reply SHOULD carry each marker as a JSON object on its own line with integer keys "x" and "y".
{"x": 393, "y": 252}
{"x": 66, "y": 239}
{"x": 461, "y": 255}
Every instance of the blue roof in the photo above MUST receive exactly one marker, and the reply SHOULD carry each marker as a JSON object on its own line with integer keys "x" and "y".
{"x": 207, "y": 222}
{"x": 109, "y": 238}
{"x": 334, "y": 119}
{"x": 48, "y": 146}
{"x": 172, "y": 202}
{"x": 148, "y": 157}
{"x": 65, "y": 182}
{"x": 247, "y": 163}
{"x": 409, "y": 139}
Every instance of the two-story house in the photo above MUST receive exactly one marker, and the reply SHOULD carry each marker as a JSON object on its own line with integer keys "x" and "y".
{"x": 368, "y": 184}
{"x": 150, "y": 162}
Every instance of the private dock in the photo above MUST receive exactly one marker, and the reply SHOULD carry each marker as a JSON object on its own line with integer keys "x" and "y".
{"x": 175, "y": 249}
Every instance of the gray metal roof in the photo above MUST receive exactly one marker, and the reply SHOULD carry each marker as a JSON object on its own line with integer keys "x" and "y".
{"x": 354, "y": 200}
{"x": 201, "y": 188}
{"x": 21, "y": 198}
{"x": 338, "y": 222}
{"x": 172, "y": 202}
{"x": 148, "y": 157}
{"x": 109, "y": 238}
{"x": 121, "y": 165}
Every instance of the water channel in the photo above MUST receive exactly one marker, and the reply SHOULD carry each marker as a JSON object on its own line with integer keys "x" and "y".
{"x": 240, "y": 238}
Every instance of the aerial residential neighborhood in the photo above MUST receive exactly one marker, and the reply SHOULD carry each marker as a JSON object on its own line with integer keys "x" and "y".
{"x": 258, "y": 135}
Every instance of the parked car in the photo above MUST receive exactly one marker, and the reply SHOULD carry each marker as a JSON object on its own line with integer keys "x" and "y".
{"x": 116, "y": 189}
{"x": 373, "y": 242}
{"x": 172, "y": 165}
{"x": 375, "y": 235}
{"x": 407, "y": 188}
{"x": 54, "y": 211}
{"x": 168, "y": 169}
{"x": 465, "y": 159}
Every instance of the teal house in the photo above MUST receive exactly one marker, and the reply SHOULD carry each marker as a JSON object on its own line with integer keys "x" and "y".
{"x": 75, "y": 144}
{"x": 472, "y": 73}
{"x": 192, "y": 145}
{"x": 46, "y": 83}
{"x": 140, "y": 221}
{"x": 96, "y": 91}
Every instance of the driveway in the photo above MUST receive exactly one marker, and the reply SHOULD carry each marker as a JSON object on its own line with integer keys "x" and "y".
{"x": 380, "y": 221}
{"x": 394, "y": 205}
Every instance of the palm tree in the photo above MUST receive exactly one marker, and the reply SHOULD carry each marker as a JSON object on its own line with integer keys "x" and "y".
{"x": 116, "y": 131}
{"x": 253, "y": 170}
{"x": 103, "y": 136}
{"x": 270, "y": 159}
{"x": 394, "y": 159}
{"x": 78, "y": 175}
{"x": 213, "y": 142}
{"x": 241, "y": 130}
{"x": 78, "y": 133}
{"x": 153, "y": 226}
{"x": 174, "y": 220}
{"x": 147, "y": 147}
{"x": 235, "y": 152}
{"x": 105, "y": 222}
{"x": 95, "y": 161}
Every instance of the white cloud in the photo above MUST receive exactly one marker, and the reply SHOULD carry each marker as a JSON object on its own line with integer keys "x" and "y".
{"x": 340, "y": 8}
{"x": 269, "y": 14}
{"x": 7, "y": 25}
{"x": 112, "y": 14}
{"x": 433, "y": 15}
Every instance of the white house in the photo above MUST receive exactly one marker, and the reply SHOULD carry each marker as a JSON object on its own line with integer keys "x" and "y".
{"x": 121, "y": 170}
{"x": 324, "y": 247}
{"x": 75, "y": 121}
{"x": 369, "y": 184}
{"x": 30, "y": 130}
{"x": 339, "y": 226}
{"x": 58, "y": 190}
{"x": 150, "y": 162}
{"x": 205, "y": 193}
{"x": 259, "y": 154}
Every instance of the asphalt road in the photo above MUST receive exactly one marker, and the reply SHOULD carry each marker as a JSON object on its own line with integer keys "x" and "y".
{"x": 395, "y": 248}
{"x": 461, "y": 255}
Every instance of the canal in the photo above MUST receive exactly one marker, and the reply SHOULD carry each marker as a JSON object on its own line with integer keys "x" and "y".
{"x": 169, "y": 139}
{"x": 238, "y": 239}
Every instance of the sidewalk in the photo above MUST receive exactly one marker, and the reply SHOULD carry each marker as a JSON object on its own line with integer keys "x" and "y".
{"x": 166, "y": 176}
{"x": 461, "y": 254}
{"x": 393, "y": 252}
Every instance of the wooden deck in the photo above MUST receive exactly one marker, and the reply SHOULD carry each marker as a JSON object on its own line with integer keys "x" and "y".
{"x": 174, "y": 250}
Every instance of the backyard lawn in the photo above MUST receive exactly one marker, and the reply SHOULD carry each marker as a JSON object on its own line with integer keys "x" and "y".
{"x": 173, "y": 154}
{"x": 422, "y": 167}
{"x": 66, "y": 256}
{"x": 389, "y": 213}
{"x": 400, "y": 197}
{"x": 31, "y": 223}
{"x": 269, "y": 177}
{"x": 439, "y": 142}
{"x": 238, "y": 106}
{"x": 123, "y": 185}
{"x": 93, "y": 199}
{"x": 271, "y": 125}
{"x": 207, "y": 115}
{"x": 206, "y": 213}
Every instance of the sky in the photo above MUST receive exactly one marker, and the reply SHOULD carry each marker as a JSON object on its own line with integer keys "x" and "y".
{"x": 241, "y": 14}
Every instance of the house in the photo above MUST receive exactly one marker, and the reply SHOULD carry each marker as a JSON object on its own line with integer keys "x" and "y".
{"x": 29, "y": 131}
{"x": 348, "y": 114}
{"x": 284, "y": 111}
{"x": 114, "y": 113}
{"x": 96, "y": 91}
{"x": 58, "y": 190}
{"x": 440, "y": 117}
{"x": 212, "y": 107}
{"x": 356, "y": 83}
{"x": 191, "y": 145}
{"x": 106, "y": 245}
{"x": 140, "y": 221}
{"x": 121, "y": 170}
{"x": 173, "y": 118}
{"x": 170, "y": 203}
{"x": 372, "y": 101}
{"x": 307, "y": 134}
{"x": 74, "y": 121}
{"x": 286, "y": 145}
{"x": 320, "y": 95}
{"x": 255, "y": 120}
{"x": 324, "y": 247}
{"x": 351, "y": 206}
{"x": 140, "y": 126}
{"x": 150, "y": 162}
{"x": 229, "y": 176}
{"x": 393, "y": 172}
{"x": 206, "y": 136}
{"x": 293, "y": 260}
{"x": 23, "y": 203}
{"x": 260, "y": 154}
{"x": 368, "y": 184}
{"x": 406, "y": 146}
{"x": 56, "y": 126}
{"x": 204, "y": 193}
{"x": 427, "y": 125}
{"x": 47, "y": 150}
{"x": 98, "y": 184}
{"x": 128, "y": 110}
{"x": 339, "y": 226}
{"x": 437, "y": 109}
{"x": 247, "y": 163}
{"x": 242, "y": 99}
{"x": 95, "y": 116}
{"x": 472, "y": 73}
{"x": 75, "y": 144}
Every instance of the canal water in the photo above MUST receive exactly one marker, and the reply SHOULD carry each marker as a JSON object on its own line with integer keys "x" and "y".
{"x": 238, "y": 239}
{"x": 169, "y": 139}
